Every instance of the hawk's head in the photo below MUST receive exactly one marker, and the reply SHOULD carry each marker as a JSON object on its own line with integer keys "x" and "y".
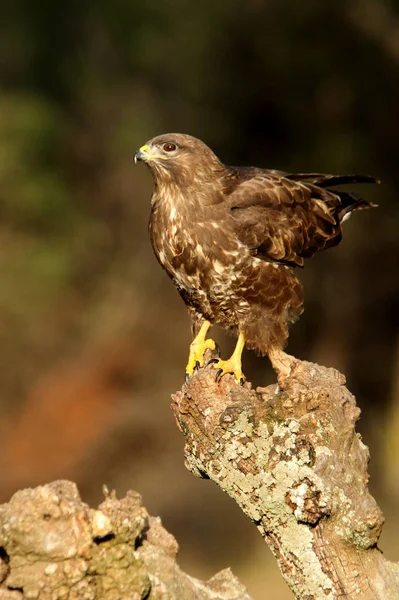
{"x": 180, "y": 158}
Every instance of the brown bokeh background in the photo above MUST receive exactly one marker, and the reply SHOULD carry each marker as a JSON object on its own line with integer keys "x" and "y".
{"x": 93, "y": 336}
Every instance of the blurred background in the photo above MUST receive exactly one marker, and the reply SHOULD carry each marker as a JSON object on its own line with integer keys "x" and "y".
{"x": 94, "y": 338}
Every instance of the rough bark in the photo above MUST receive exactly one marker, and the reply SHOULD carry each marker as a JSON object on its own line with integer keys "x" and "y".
{"x": 53, "y": 547}
{"x": 294, "y": 463}
{"x": 291, "y": 459}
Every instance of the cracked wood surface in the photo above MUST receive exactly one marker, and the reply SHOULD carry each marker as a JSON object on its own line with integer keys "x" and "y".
{"x": 294, "y": 463}
{"x": 54, "y": 547}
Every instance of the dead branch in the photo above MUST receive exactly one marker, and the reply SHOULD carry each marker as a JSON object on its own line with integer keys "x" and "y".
{"x": 53, "y": 547}
{"x": 294, "y": 463}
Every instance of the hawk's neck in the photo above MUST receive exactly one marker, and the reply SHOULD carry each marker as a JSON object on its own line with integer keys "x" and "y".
{"x": 187, "y": 195}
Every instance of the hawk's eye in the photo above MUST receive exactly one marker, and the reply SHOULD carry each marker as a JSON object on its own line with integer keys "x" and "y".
{"x": 169, "y": 147}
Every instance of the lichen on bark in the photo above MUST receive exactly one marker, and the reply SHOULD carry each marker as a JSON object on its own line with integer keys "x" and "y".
{"x": 293, "y": 462}
{"x": 290, "y": 458}
{"x": 54, "y": 547}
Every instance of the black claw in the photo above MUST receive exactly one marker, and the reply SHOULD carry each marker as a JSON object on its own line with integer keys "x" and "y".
{"x": 187, "y": 377}
{"x": 197, "y": 365}
{"x": 212, "y": 361}
{"x": 219, "y": 372}
{"x": 242, "y": 380}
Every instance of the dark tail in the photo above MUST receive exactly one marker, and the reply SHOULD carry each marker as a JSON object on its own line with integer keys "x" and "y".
{"x": 351, "y": 202}
{"x": 326, "y": 181}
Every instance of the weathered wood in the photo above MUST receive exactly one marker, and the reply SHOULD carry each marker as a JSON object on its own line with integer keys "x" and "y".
{"x": 290, "y": 458}
{"x": 54, "y": 547}
{"x": 294, "y": 463}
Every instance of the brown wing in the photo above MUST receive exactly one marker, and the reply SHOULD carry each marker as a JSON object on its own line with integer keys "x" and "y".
{"x": 284, "y": 220}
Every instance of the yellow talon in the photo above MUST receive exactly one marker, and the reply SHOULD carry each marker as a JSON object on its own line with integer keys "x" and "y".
{"x": 197, "y": 349}
{"x": 228, "y": 366}
{"x": 196, "y": 357}
{"x": 233, "y": 364}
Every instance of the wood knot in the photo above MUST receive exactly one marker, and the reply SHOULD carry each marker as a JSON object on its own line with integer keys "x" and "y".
{"x": 232, "y": 414}
{"x": 307, "y": 502}
{"x": 367, "y": 523}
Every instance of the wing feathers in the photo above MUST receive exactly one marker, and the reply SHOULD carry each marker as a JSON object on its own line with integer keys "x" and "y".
{"x": 287, "y": 218}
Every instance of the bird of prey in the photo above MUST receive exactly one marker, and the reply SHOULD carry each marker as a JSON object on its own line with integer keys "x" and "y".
{"x": 232, "y": 239}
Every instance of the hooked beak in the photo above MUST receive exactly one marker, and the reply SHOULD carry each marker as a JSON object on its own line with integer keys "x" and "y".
{"x": 141, "y": 154}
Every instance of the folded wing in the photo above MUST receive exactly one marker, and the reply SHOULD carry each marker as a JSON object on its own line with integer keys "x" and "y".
{"x": 286, "y": 218}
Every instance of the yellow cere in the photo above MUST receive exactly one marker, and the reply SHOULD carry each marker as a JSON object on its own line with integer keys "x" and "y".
{"x": 146, "y": 150}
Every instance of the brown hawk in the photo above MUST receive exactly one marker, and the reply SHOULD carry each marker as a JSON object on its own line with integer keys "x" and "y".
{"x": 232, "y": 238}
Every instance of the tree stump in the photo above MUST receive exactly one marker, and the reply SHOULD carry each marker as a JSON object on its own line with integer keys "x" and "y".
{"x": 290, "y": 458}
{"x": 54, "y": 547}
{"x": 294, "y": 463}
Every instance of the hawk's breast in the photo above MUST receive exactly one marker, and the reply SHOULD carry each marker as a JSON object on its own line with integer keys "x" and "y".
{"x": 201, "y": 255}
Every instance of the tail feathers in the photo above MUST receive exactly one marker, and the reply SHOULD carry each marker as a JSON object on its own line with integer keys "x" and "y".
{"x": 323, "y": 180}
{"x": 350, "y": 202}
{"x": 333, "y": 180}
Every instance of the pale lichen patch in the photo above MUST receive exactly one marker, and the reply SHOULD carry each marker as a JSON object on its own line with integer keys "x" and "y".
{"x": 294, "y": 465}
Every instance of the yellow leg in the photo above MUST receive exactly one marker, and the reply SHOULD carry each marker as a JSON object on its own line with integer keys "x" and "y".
{"x": 233, "y": 364}
{"x": 197, "y": 349}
